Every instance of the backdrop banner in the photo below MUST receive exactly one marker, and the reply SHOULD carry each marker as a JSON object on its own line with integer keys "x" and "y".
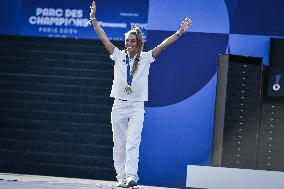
{"x": 69, "y": 19}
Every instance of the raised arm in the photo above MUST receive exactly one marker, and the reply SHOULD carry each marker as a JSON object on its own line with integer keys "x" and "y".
{"x": 158, "y": 49}
{"x": 102, "y": 35}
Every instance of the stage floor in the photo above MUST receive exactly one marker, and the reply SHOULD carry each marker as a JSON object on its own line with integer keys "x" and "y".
{"x": 20, "y": 181}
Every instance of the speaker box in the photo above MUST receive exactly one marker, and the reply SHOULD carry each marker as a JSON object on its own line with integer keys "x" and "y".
{"x": 237, "y": 111}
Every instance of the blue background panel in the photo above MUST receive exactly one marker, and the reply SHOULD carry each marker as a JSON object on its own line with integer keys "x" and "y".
{"x": 185, "y": 67}
{"x": 257, "y": 17}
{"x": 10, "y": 14}
{"x": 250, "y": 45}
{"x": 175, "y": 136}
{"x": 208, "y": 16}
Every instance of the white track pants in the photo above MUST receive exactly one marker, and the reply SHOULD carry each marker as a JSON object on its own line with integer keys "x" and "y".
{"x": 127, "y": 122}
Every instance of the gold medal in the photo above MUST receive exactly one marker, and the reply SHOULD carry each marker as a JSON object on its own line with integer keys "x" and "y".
{"x": 128, "y": 89}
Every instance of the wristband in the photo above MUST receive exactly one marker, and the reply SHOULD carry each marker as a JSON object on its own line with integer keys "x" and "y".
{"x": 91, "y": 19}
{"x": 178, "y": 34}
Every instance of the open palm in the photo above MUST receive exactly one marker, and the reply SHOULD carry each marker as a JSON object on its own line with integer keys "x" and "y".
{"x": 185, "y": 24}
{"x": 93, "y": 10}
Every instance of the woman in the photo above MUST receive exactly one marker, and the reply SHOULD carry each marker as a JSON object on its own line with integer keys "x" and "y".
{"x": 130, "y": 91}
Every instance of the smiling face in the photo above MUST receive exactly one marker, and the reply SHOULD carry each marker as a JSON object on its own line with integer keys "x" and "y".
{"x": 131, "y": 44}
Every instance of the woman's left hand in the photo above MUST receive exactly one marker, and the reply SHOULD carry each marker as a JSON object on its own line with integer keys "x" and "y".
{"x": 184, "y": 25}
{"x": 93, "y": 10}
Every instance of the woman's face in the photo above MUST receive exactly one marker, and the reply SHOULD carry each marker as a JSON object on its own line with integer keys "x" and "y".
{"x": 131, "y": 44}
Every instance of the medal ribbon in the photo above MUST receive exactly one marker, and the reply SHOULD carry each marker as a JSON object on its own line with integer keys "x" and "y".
{"x": 129, "y": 76}
{"x": 278, "y": 76}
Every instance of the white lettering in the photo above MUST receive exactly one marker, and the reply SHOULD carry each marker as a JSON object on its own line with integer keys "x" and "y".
{"x": 113, "y": 25}
{"x": 59, "y": 12}
{"x": 73, "y": 13}
{"x": 129, "y": 14}
{"x": 49, "y": 12}
{"x": 139, "y": 25}
{"x": 59, "y": 17}
{"x": 38, "y": 11}
{"x": 32, "y": 20}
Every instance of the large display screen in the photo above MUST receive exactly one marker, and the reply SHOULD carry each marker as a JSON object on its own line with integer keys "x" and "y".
{"x": 69, "y": 18}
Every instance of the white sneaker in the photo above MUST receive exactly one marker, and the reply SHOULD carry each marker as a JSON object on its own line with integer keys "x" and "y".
{"x": 131, "y": 181}
{"x": 122, "y": 183}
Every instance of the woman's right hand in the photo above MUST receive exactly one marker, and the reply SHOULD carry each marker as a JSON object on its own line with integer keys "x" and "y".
{"x": 93, "y": 10}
